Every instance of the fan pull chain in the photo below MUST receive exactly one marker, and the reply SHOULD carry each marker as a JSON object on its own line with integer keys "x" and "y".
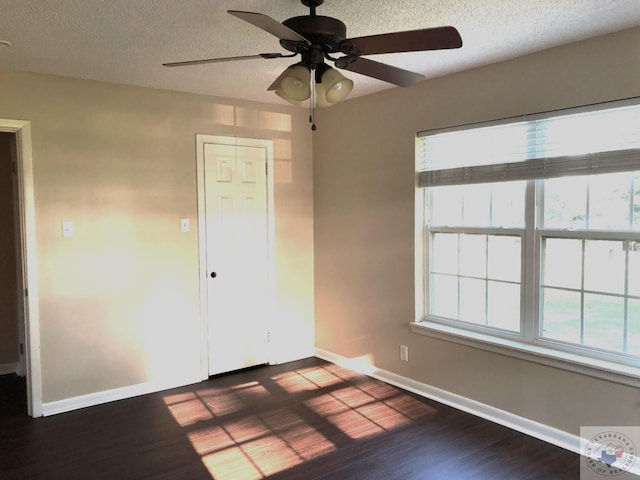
{"x": 312, "y": 102}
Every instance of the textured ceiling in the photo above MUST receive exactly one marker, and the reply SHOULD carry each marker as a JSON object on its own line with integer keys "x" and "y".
{"x": 126, "y": 41}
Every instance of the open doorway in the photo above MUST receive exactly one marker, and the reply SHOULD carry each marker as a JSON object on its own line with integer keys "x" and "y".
{"x": 19, "y": 319}
{"x": 11, "y": 304}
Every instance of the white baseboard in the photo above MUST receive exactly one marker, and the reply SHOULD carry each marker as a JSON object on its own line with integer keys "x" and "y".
{"x": 98, "y": 398}
{"x": 92, "y": 399}
{"x": 538, "y": 430}
{"x": 8, "y": 368}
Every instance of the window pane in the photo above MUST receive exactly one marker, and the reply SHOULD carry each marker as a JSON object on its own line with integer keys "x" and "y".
{"x": 562, "y": 263}
{"x": 633, "y": 327}
{"x": 609, "y": 201}
{"x": 504, "y": 258}
{"x": 604, "y": 269}
{"x": 473, "y": 300}
{"x": 444, "y": 302}
{"x": 604, "y": 322}
{"x": 473, "y": 255}
{"x": 446, "y": 206}
{"x": 507, "y": 204}
{"x": 565, "y": 202}
{"x": 504, "y": 306}
{"x": 561, "y": 315}
{"x": 499, "y": 204}
{"x": 634, "y": 269}
{"x": 477, "y": 205}
{"x": 444, "y": 255}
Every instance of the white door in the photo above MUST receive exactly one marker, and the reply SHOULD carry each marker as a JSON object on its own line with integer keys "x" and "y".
{"x": 235, "y": 184}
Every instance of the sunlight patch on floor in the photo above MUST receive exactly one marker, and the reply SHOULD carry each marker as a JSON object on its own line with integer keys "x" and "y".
{"x": 368, "y": 409}
{"x": 293, "y": 382}
{"x": 188, "y": 410}
{"x": 249, "y": 448}
{"x": 235, "y": 442}
{"x": 231, "y": 463}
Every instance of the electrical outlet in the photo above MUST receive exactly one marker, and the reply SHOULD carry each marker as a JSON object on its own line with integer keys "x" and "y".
{"x": 404, "y": 353}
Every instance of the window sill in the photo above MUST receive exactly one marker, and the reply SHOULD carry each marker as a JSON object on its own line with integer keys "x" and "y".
{"x": 606, "y": 370}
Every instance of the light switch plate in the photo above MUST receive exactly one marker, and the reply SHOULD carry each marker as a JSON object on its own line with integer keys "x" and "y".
{"x": 184, "y": 225}
{"x": 67, "y": 229}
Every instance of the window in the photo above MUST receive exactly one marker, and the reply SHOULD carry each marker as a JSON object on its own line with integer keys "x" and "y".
{"x": 590, "y": 237}
{"x": 532, "y": 231}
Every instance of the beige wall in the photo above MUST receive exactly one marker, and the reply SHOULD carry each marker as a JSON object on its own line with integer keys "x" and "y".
{"x": 119, "y": 301}
{"x": 8, "y": 282}
{"x": 364, "y": 176}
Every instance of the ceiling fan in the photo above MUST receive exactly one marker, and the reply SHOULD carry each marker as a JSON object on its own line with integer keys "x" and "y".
{"x": 318, "y": 38}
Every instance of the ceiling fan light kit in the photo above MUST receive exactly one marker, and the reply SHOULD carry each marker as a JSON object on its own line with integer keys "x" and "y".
{"x": 335, "y": 85}
{"x": 318, "y": 38}
{"x": 295, "y": 85}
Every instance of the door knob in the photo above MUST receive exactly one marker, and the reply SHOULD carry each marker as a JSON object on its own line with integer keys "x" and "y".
{"x": 214, "y": 274}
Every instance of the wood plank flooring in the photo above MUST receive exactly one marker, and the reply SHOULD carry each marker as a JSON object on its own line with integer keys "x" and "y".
{"x": 303, "y": 420}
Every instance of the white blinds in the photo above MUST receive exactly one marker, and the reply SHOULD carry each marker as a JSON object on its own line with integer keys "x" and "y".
{"x": 601, "y": 139}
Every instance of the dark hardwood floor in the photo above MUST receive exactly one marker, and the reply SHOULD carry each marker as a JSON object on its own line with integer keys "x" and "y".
{"x": 302, "y": 420}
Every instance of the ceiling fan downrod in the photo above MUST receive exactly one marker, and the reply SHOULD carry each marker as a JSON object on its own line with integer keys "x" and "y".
{"x": 312, "y": 4}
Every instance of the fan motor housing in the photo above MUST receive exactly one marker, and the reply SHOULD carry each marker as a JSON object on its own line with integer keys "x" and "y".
{"x": 326, "y": 32}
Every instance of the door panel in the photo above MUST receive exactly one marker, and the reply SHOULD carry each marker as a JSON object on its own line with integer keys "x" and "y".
{"x": 236, "y": 251}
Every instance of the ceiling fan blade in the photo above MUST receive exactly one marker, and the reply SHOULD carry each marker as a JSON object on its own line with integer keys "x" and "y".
{"x": 225, "y": 59}
{"x": 410, "y": 41}
{"x": 387, "y": 73}
{"x": 269, "y": 25}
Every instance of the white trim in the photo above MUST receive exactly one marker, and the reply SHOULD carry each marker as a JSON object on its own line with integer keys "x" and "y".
{"x": 201, "y": 140}
{"x": 603, "y": 369}
{"x": 8, "y": 368}
{"x": 202, "y": 259}
{"x": 537, "y": 430}
{"x": 98, "y": 398}
{"x": 22, "y": 129}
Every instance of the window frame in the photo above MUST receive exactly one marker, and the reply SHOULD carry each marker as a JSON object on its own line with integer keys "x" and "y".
{"x": 528, "y": 344}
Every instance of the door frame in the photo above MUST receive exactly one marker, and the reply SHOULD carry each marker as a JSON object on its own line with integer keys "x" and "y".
{"x": 201, "y": 140}
{"x": 27, "y": 250}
